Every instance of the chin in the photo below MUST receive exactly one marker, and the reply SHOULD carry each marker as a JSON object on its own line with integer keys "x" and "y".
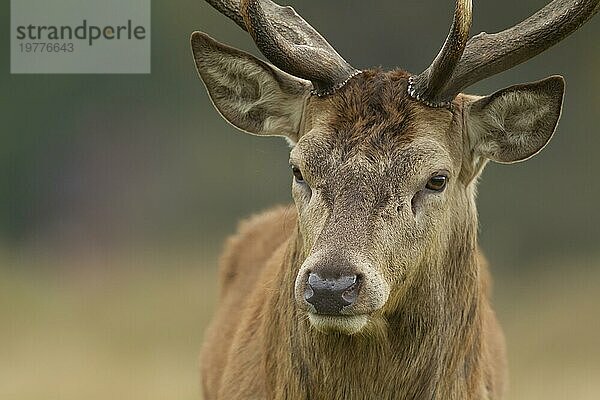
{"x": 345, "y": 324}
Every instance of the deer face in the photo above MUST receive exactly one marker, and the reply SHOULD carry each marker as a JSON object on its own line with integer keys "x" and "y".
{"x": 376, "y": 184}
{"x": 381, "y": 182}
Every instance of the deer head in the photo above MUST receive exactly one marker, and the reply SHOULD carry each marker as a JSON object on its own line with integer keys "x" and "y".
{"x": 384, "y": 164}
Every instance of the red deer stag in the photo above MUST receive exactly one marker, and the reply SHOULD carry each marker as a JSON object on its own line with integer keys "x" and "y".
{"x": 372, "y": 286}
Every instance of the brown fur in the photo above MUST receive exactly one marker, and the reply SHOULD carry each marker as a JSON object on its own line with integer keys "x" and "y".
{"x": 253, "y": 351}
{"x": 436, "y": 336}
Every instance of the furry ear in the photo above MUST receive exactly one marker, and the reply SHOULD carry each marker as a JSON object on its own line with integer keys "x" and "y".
{"x": 253, "y": 95}
{"x": 515, "y": 123}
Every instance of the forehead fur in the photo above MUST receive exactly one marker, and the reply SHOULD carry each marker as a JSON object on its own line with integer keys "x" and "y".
{"x": 372, "y": 119}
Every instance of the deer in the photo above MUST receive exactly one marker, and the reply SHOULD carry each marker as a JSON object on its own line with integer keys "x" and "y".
{"x": 371, "y": 285}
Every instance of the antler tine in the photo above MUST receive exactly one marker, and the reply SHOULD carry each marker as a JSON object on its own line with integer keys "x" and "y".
{"x": 429, "y": 84}
{"x": 289, "y": 42}
{"x": 490, "y": 54}
{"x": 289, "y": 24}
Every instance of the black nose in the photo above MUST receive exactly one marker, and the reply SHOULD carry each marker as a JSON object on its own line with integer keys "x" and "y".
{"x": 330, "y": 295}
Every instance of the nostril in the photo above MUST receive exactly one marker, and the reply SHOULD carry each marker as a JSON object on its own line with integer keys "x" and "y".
{"x": 313, "y": 278}
{"x": 351, "y": 294}
{"x": 308, "y": 292}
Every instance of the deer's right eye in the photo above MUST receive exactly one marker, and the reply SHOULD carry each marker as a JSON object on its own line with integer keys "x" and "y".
{"x": 437, "y": 183}
{"x": 297, "y": 174}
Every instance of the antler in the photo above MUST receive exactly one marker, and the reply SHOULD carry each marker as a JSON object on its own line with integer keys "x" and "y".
{"x": 289, "y": 42}
{"x": 429, "y": 83}
{"x": 489, "y": 54}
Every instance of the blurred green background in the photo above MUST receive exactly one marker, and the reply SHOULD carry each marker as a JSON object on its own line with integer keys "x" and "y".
{"x": 117, "y": 191}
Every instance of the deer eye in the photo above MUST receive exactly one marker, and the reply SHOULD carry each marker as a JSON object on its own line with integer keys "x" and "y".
{"x": 297, "y": 174}
{"x": 437, "y": 183}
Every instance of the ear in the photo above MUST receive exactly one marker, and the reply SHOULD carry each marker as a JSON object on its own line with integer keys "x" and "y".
{"x": 252, "y": 95}
{"x": 515, "y": 123}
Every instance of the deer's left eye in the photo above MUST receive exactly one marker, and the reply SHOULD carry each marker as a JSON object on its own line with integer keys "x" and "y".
{"x": 297, "y": 174}
{"x": 437, "y": 183}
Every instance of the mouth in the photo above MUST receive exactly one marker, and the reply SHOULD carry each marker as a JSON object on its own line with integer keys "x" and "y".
{"x": 345, "y": 324}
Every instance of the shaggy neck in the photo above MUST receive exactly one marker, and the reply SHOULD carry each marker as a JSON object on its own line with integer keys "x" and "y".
{"x": 428, "y": 346}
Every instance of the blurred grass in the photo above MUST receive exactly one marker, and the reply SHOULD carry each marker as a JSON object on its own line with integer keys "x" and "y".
{"x": 133, "y": 331}
{"x": 550, "y": 316}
